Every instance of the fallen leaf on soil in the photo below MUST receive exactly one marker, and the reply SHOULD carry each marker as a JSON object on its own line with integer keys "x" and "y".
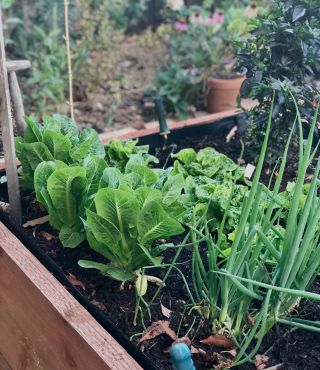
{"x": 4, "y": 206}
{"x": 154, "y": 280}
{"x": 203, "y": 354}
{"x": 185, "y": 340}
{"x": 157, "y": 328}
{"x": 98, "y": 304}
{"x": 218, "y": 340}
{"x": 209, "y": 359}
{"x": 231, "y": 134}
{"x": 76, "y": 282}
{"x": 47, "y": 235}
{"x": 275, "y": 367}
{"x": 37, "y": 221}
{"x": 165, "y": 311}
{"x": 260, "y": 362}
{"x": 232, "y": 352}
{"x": 250, "y": 320}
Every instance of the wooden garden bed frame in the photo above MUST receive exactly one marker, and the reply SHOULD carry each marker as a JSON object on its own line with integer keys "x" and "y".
{"x": 42, "y": 326}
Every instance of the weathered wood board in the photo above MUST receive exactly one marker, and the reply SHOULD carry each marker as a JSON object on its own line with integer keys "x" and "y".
{"x": 41, "y": 325}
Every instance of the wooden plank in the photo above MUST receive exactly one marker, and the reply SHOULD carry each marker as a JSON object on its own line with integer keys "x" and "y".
{"x": 17, "y": 103}
{"x": 42, "y": 326}
{"x": 8, "y": 136}
{"x": 126, "y": 134}
{"x": 17, "y": 65}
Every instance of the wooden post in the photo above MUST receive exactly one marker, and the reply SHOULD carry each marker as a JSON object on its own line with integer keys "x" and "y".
{"x": 13, "y": 67}
{"x": 17, "y": 103}
{"x": 8, "y": 136}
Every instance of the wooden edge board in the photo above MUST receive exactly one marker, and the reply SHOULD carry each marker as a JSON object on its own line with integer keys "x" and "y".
{"x": 131, "y": 133}
{"x": 42, "y": 326}
{"x": 174, "y": 125}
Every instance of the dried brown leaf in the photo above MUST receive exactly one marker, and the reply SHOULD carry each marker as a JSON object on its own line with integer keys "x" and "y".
{"x": 76, "y": 282}
{"x": 232, "y": 352}
{"x": 165, "y": 311}
{"x": 260, "y": 362}
{"x": 185, "y": 340}
{"x": 250, "y": 320}
{"x": 218, "y": 340}
{"x": 157, "y": 328}
{"x": 37, "y": 221}
{"x": 231, "y": 134}
{"x": 47, "y": 235}
{"x": 275, "y": 367}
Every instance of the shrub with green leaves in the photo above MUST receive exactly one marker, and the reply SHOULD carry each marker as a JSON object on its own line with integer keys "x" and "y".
{"x": 281, "y": 55}
{"x": 58, "y": 138}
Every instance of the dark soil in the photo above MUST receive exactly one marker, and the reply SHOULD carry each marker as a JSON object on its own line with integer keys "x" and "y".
{"x": 296, "y": 350}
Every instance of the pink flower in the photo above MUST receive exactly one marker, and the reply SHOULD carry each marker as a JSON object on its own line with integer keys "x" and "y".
{"x": 181, "y": 26}
{"x": 191, "y": 71}
{"x": 216, "y": 18}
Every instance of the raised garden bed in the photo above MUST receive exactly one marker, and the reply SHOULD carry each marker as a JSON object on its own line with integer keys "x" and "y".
{"x": 103, "y": 296}
{"x": 42, "y": 326}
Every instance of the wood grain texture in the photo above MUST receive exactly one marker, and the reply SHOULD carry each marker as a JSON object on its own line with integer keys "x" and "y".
{"x": 17, "y": 103}
{"x": 42, "y": 326}
{"x": 8, "y": 136}
{"x": 17, "y": 65}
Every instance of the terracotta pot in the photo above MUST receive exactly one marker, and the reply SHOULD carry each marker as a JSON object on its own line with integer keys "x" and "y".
{"x": 222, "y": 94}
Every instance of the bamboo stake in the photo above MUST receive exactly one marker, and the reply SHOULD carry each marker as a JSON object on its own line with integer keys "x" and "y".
{"x": 67, "y": 40}
{"x": 8, "y": 136}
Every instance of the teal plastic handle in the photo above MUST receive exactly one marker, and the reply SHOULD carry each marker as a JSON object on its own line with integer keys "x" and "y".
{"x": 181, "y": 357}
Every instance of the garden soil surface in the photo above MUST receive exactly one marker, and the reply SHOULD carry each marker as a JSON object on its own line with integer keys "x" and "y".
{"x": 119, "y": 100}
{"x": 295, "y": 350}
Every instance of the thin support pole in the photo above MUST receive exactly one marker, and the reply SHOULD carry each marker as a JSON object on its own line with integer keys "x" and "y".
{"x": 8, "y": 136}
{"x": 17, "y": 102}
{"x": 67, "y": 39}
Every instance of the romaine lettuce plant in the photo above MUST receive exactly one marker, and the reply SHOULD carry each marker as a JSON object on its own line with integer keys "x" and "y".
{"x": 58, "y": 138}
{"x": 119, "y": 152}
{"x": 124, "y": 226}
{"x": 65, "y": 191}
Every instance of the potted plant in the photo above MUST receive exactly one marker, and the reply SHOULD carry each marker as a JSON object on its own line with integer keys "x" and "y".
{"x": 222, "y": 81}
{"x": 201, "y": 49}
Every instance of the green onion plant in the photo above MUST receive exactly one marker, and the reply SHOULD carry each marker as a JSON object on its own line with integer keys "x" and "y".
{"x": 274, "y": 257}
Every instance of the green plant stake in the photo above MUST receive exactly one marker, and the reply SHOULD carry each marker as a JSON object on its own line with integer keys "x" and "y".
{"x": 164, "y": 129}
{"x": 181, "y": 357}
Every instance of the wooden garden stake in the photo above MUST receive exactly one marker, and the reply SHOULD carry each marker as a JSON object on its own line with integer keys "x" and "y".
{"x": 16, "y": 98}
{"x": 67, "y": 39}
{"x": 8, "y": 136}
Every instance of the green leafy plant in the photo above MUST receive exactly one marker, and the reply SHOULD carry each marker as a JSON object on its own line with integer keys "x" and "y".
{"x": 128, "y": 214}
{"x": 281, "y": 55}
{"x": 200, "y": 46}
{"x": 263, "y": 276}
{"x": 123, "y": 228}
{"x": 57, "y": 138}
{"x": 118, "y": 153}
{"x": 66, "y": 191}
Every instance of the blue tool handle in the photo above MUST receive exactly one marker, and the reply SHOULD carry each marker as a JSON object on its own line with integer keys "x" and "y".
{"x": 181, "y": 357}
